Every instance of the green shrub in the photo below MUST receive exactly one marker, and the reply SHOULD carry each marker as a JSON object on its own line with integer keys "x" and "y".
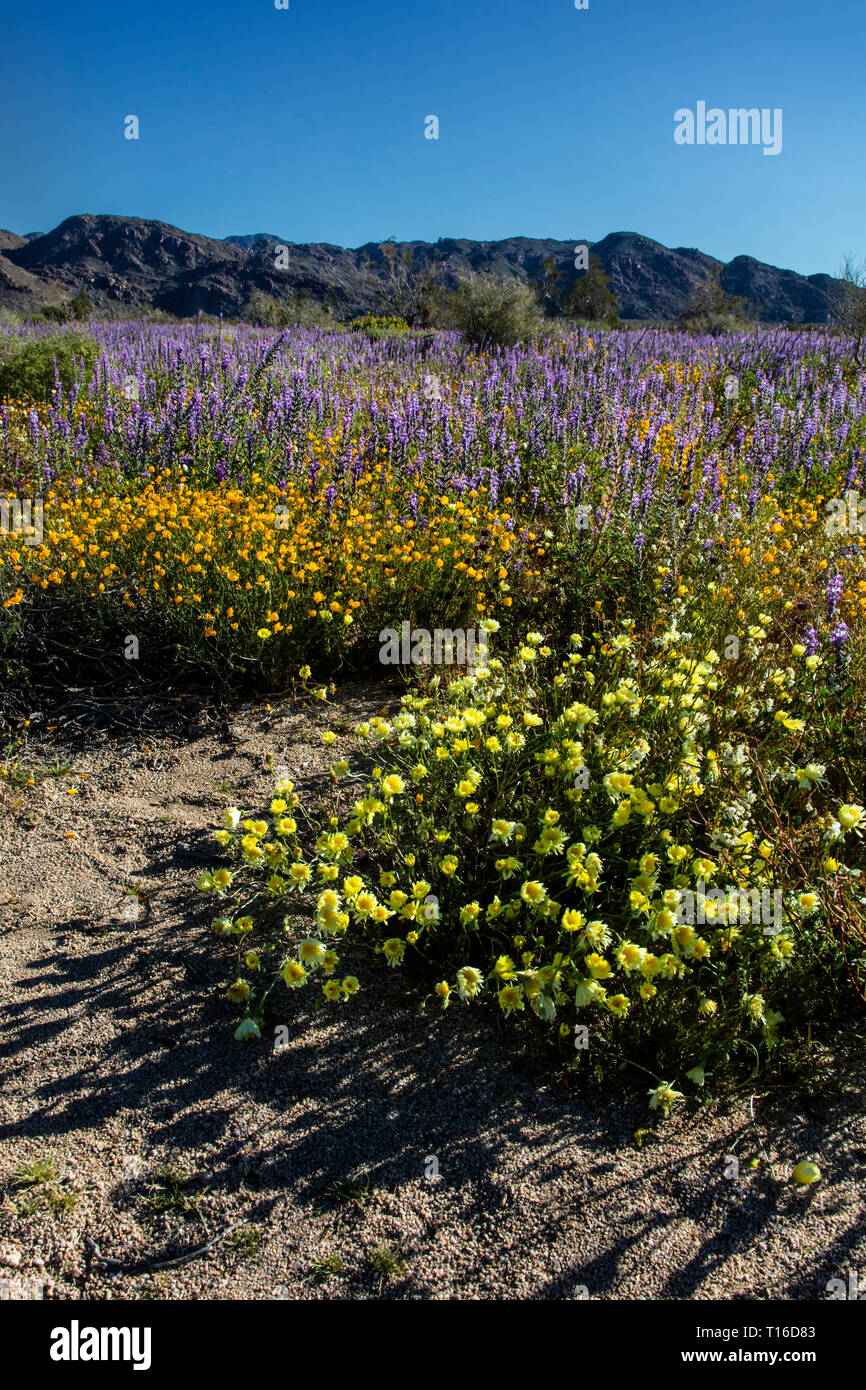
{"x": 264, "y": 311}
{"x": 493, "y": 312}
{"x": 27, "y": 366}
{"x": 380, "y": 326}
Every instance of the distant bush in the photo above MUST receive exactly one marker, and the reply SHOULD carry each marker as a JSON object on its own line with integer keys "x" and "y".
{"x": 711, "y": 310}
{"x": 491, "y": 311}
{"x": 68, "y": 311}
{"x": 27, "y": 365}
{"x": 265, "y": 312}
{"x": 381, "y": 326}
{"x": 591, "y": 297}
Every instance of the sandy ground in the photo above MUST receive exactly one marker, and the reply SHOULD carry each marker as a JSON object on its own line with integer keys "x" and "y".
{"x": 417, "y": 1156}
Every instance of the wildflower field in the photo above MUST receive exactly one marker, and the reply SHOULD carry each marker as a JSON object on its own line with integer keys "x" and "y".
{"x": 635, "y": 829}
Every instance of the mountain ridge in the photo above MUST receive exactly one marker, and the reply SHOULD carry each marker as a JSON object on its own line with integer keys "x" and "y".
{"x": 131, "y": 264}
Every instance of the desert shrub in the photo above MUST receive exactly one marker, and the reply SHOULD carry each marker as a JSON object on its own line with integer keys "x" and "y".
{"x": 588, "y": 837}
{"x": 266, "y": 312}
{"x": 710, "y": 309}
{"x": 27, "y": 365}
{"x": 493, "y": 312}
{"x": 379, "y": 326}
{"x": 67, "y": 311}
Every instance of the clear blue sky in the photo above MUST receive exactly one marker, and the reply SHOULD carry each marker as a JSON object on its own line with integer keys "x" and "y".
{"x": 309, "y": 122}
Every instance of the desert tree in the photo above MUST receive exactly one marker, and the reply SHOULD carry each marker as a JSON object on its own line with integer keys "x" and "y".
{"x": 848, "y": 305}
{"x": 710, "y": 309}
{"x": 591, "y": 296}
{"x": 547, "y": 280}
{"x": 408, "y": 292}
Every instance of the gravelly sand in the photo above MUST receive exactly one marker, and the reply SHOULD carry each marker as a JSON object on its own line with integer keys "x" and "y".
{"x": 118, "y": 1060}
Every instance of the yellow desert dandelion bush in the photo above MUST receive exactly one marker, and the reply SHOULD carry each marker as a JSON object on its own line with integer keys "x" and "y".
{"x": 641, "y": 899}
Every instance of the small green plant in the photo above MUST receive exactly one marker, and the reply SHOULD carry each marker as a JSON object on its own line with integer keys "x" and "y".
{"x": 247, "y": 1239}
{"x": 350, "y": 1194}
{"x": 37, "y": 1181}
{"x": 387, "y": 1263}
{"x": 326, "y": 1265}
{"x": 35, "y": 1174}
{"x": 16, "y": 773}
{"x": 169, "y": 1191}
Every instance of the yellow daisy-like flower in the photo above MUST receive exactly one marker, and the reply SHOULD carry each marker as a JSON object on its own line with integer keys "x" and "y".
{"x": 663, "y": 1097}
{"x": 469, "y": 982}
{"x": 504, "y": 968}
{"x": 311, "y": 952}
{"x": 294, "y": 974}
{"x": 350, "y": 985}
{"x": 510, "y": 998}
{"x": 394, "y": 949}
{"x": 597, "y": 966}
{"x": 533, "y": 892}
{"x": 332, "y": 990}
{"x": 618, "y": 1004}
{"x": 572, "y": 920}
{"x": 630, "y": 956}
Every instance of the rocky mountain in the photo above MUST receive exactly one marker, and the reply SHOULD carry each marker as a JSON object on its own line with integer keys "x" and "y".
{"x": 253, "y": 239}
{"x": 127, "y": 265}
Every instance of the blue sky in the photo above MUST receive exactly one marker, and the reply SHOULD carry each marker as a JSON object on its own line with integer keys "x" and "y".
{"x": 309, "y": 122}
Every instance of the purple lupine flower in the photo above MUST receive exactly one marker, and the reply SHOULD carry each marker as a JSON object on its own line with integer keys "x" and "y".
{"x": 833, "y": 594}
{"x": 810, "y": 641}
{"x": 839, "y": 636}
